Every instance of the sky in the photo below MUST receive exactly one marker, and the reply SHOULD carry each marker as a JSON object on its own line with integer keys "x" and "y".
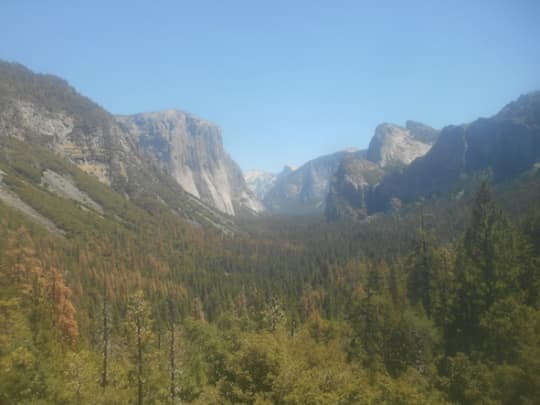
{"x": 286, "y": 81}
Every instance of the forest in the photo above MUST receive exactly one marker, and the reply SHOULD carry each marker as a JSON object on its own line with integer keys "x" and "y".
{"x": 437, "y": 303}
{"x": 398, "y": 263}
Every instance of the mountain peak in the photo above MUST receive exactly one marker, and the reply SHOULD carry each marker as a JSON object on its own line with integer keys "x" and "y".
{"x": 393, "y": 145}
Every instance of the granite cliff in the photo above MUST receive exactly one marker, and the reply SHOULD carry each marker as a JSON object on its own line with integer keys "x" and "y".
{"x": 190, "y": 150}
{"x": 395, "y": 146}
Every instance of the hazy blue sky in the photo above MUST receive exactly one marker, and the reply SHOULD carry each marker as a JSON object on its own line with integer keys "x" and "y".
{"x": 285, "y": 80}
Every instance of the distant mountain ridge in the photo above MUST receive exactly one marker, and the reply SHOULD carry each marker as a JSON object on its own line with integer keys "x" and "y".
{"x": 303, "y": 190}
{"x": 175, "y": 160}
{"x": 307, "y": 189}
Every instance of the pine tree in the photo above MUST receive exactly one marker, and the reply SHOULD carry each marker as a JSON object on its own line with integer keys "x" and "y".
{"x": 172, "y": 349}
{"x": 139, "y": 325}
{"x": 488, "y": 268}
{"x": 106, "y": 327}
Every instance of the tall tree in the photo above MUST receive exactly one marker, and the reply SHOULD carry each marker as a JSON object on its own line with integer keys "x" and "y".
{"x": 106, "y": 327}
{"x": 139, "y": 324}
{"x": 488, "y": 268}
{"x": 172, "y": 348}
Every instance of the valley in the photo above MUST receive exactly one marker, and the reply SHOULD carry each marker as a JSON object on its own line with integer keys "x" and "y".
{"x": 139, "y": 264}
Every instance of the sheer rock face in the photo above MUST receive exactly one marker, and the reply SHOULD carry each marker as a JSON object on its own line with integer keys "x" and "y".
{"x": 191, "y": 151}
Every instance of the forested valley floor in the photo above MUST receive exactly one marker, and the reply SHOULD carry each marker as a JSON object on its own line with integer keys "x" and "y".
{"x": 438, "y": 304}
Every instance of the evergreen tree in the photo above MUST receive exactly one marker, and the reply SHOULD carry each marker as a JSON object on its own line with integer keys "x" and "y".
{"x": 488, "y": 268}
{"x": 140, "y": 337}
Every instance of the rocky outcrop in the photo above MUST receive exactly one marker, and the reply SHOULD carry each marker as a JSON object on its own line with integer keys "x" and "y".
{"x": 395, "y": 146}
{"x": 65, "y": 187}
{"x": 191, "y": 151}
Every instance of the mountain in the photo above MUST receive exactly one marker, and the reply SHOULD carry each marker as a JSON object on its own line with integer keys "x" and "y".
{"x": 503, "y": 147}
{"x": 393, "y": 145}
{"x": 259, "y": 182}
{"x": 45, "y": 114}
{"x": 391, "y": 149}
{"x": 303, "y": 190}
{"x": 109, "y": 295}
{"x": 190, "y": 150}
{"x": 306, "y": 190}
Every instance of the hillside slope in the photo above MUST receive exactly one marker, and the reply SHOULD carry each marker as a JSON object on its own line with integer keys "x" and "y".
{"x": 40, "y": 113}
